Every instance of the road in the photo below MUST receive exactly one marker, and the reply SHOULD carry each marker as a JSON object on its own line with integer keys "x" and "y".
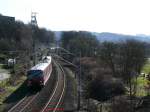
{"x": 4, "y": 74}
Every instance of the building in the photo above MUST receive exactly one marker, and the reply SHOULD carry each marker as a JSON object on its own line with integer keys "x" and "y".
{"x": 7, "y": 19}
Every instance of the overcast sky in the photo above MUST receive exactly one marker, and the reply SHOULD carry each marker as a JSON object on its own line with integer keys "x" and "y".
{"x": 117, "y": 16}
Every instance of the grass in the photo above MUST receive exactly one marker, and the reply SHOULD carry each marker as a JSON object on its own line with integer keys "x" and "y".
{"x": 8, "y": 89}
{"x": 141, "y": 84}
{"x": 1, "y": 65}
{"x": 146, "y": 67}
{"x": 71, "y": 95}
{"x": 141, "y": 91}
{"x": 74, "y": 82}
{"x": 142, "y": 81}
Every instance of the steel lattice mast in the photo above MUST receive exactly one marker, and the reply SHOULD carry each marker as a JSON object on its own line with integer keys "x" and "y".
{"x": 33, "y": 24}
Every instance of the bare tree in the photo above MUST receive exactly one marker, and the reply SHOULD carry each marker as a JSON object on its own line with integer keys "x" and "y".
{"x": 108, "y": 52}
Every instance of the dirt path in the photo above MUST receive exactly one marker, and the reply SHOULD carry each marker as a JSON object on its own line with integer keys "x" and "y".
{"x": 4, "y": 74}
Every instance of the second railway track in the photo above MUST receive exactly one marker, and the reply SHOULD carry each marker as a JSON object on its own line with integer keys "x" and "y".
{"x": 21, "y": 105}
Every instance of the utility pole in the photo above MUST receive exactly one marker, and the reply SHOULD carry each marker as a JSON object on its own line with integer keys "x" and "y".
{"x": 79, "y": 78}
{"x": 34, "y": 24}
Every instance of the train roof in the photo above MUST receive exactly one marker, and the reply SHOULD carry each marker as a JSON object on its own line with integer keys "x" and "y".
{"x": 41, "y": 66}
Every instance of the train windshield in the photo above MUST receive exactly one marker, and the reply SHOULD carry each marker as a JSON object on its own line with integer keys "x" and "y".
{"x": 34, "y": 73}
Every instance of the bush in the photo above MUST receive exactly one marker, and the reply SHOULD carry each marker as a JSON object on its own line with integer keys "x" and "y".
{"x": 5, "y": 66}
{"x": 104, "y": 88}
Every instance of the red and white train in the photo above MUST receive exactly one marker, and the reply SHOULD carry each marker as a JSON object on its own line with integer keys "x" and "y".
{"x": 40, "y": 73}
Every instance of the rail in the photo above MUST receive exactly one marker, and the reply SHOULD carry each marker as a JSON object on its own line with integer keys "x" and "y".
{"x": 57, "y": 96}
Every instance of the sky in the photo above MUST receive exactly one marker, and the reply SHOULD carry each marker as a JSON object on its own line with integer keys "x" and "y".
{"x": 116, "y": 16}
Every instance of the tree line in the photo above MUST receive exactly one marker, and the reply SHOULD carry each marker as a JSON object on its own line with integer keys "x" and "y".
{"x": 15, "y": 35}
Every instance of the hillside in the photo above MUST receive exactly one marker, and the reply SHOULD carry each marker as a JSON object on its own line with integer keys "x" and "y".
{"x": 112, "y": 37}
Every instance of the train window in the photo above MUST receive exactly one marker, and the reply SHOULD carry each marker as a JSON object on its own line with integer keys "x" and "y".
{"x": 34, "y": 73}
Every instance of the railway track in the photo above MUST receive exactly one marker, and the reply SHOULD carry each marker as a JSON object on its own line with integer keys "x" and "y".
{"x": 63, "y": 61}
{"x": 49, "y": 99}
{"x": 55, "y": 102}
{"x": 21, "y": 105}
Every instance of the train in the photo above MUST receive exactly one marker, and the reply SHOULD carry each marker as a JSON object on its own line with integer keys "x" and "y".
{"x": 38, "y": 75}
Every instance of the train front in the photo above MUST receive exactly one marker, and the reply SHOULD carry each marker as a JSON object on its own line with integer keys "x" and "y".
{"x": 35, "y": 78}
